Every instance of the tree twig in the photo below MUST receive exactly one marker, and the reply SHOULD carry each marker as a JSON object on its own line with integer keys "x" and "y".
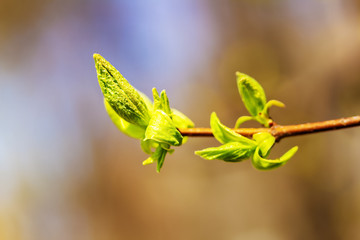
{"x": 279, "y": 131}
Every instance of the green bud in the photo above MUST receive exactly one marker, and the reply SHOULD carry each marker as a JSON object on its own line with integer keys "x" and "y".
{"x": 161, "y": 129}
{"x": 148, "y": 102}
{"x": 121, "y": 96}
{"x": 252, "y": 94}
{"x": 254, "y": 99}
{"x": 129, "y": 129}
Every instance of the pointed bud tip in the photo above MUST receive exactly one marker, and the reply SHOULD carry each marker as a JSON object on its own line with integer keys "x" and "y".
{"x": 241, "y": 77}
{"x": 239, "y": 74}
{"x": 98, "y": 58}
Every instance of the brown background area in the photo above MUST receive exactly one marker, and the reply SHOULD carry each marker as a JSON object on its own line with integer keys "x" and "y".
{"x": 67, "y": 173}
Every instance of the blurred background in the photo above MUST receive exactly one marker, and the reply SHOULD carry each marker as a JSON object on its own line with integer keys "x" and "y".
{"x": 66, "y": 172}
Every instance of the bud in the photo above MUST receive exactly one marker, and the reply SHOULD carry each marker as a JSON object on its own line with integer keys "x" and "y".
{"x": 252, "y": 94}
{"x": 127, "y": 128}
{"x": 121, "y": 96}
{"x": 162, "y": 130}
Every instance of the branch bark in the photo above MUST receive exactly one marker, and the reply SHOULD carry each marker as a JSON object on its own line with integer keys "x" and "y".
{"x": 279, "y": 131}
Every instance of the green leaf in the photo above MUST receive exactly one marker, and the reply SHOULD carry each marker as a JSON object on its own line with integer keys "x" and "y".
{"x": 243, "y": 119}
{"x": 121, "y": 96}
{"x": 147, "y": 145}
{"x": 265, "y": 142}
{"x": 161, "y": 129}
{"x": 229, "y": 152}
{"x": 181, "y": 120}
{"x": 266, "y": 164}
{"x": 162, "y": 102}
{"x": 252, "y": 94}
{"x": 225, "y": 135}
{"x": 263, "y": 117}
{"x": 157, "y": 99}
{"x": 129, "y": 129}
{"x": 270, "y": 104}
{"x": 148, "y": 161}
{"x": 165, "y": 103}
{"x": 158, "y": 156}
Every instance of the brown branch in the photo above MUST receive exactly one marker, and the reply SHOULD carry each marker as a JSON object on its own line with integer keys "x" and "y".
{"x": 279, "y": 131}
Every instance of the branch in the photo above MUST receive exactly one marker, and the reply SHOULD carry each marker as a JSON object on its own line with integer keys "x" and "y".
{"x": 279, "y": 131}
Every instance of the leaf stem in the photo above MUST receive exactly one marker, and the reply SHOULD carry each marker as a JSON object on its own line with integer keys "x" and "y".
{"x": 279, "y": 131}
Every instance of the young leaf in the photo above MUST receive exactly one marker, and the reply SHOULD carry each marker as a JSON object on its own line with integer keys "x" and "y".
{"x": 266, "y": 164}
{"x": 252, "y": 94}
{"x": 225, "y": 135}
{"x": 147, "y": 145}
{"x": 158, "y": 156}
{"x": 120, "y": 95}
{"x": 148, "y": 161}
{"x": 265, "y": 142}
{"x": 263, "y": 117}
{"x": 229, "y": 152}
{"x": 157, "y": 99}
{"x": 165, "y": 103}
{"x": 243, "y": 119}
{"x": 162, "y": 102}
{"x": 161, "y": 129}
{"x": 270, "y": 104}
{"x": 129, "y": 129}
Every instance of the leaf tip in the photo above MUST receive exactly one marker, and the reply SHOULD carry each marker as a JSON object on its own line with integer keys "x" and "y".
{"x": 97, "y": 57}
{"x": 241, "y": 77}
{"x": 213, "y": 116}
{"x": 289, "y": 154}
{"x": 198, "y": 152}
{"x": 148, "y": 161}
